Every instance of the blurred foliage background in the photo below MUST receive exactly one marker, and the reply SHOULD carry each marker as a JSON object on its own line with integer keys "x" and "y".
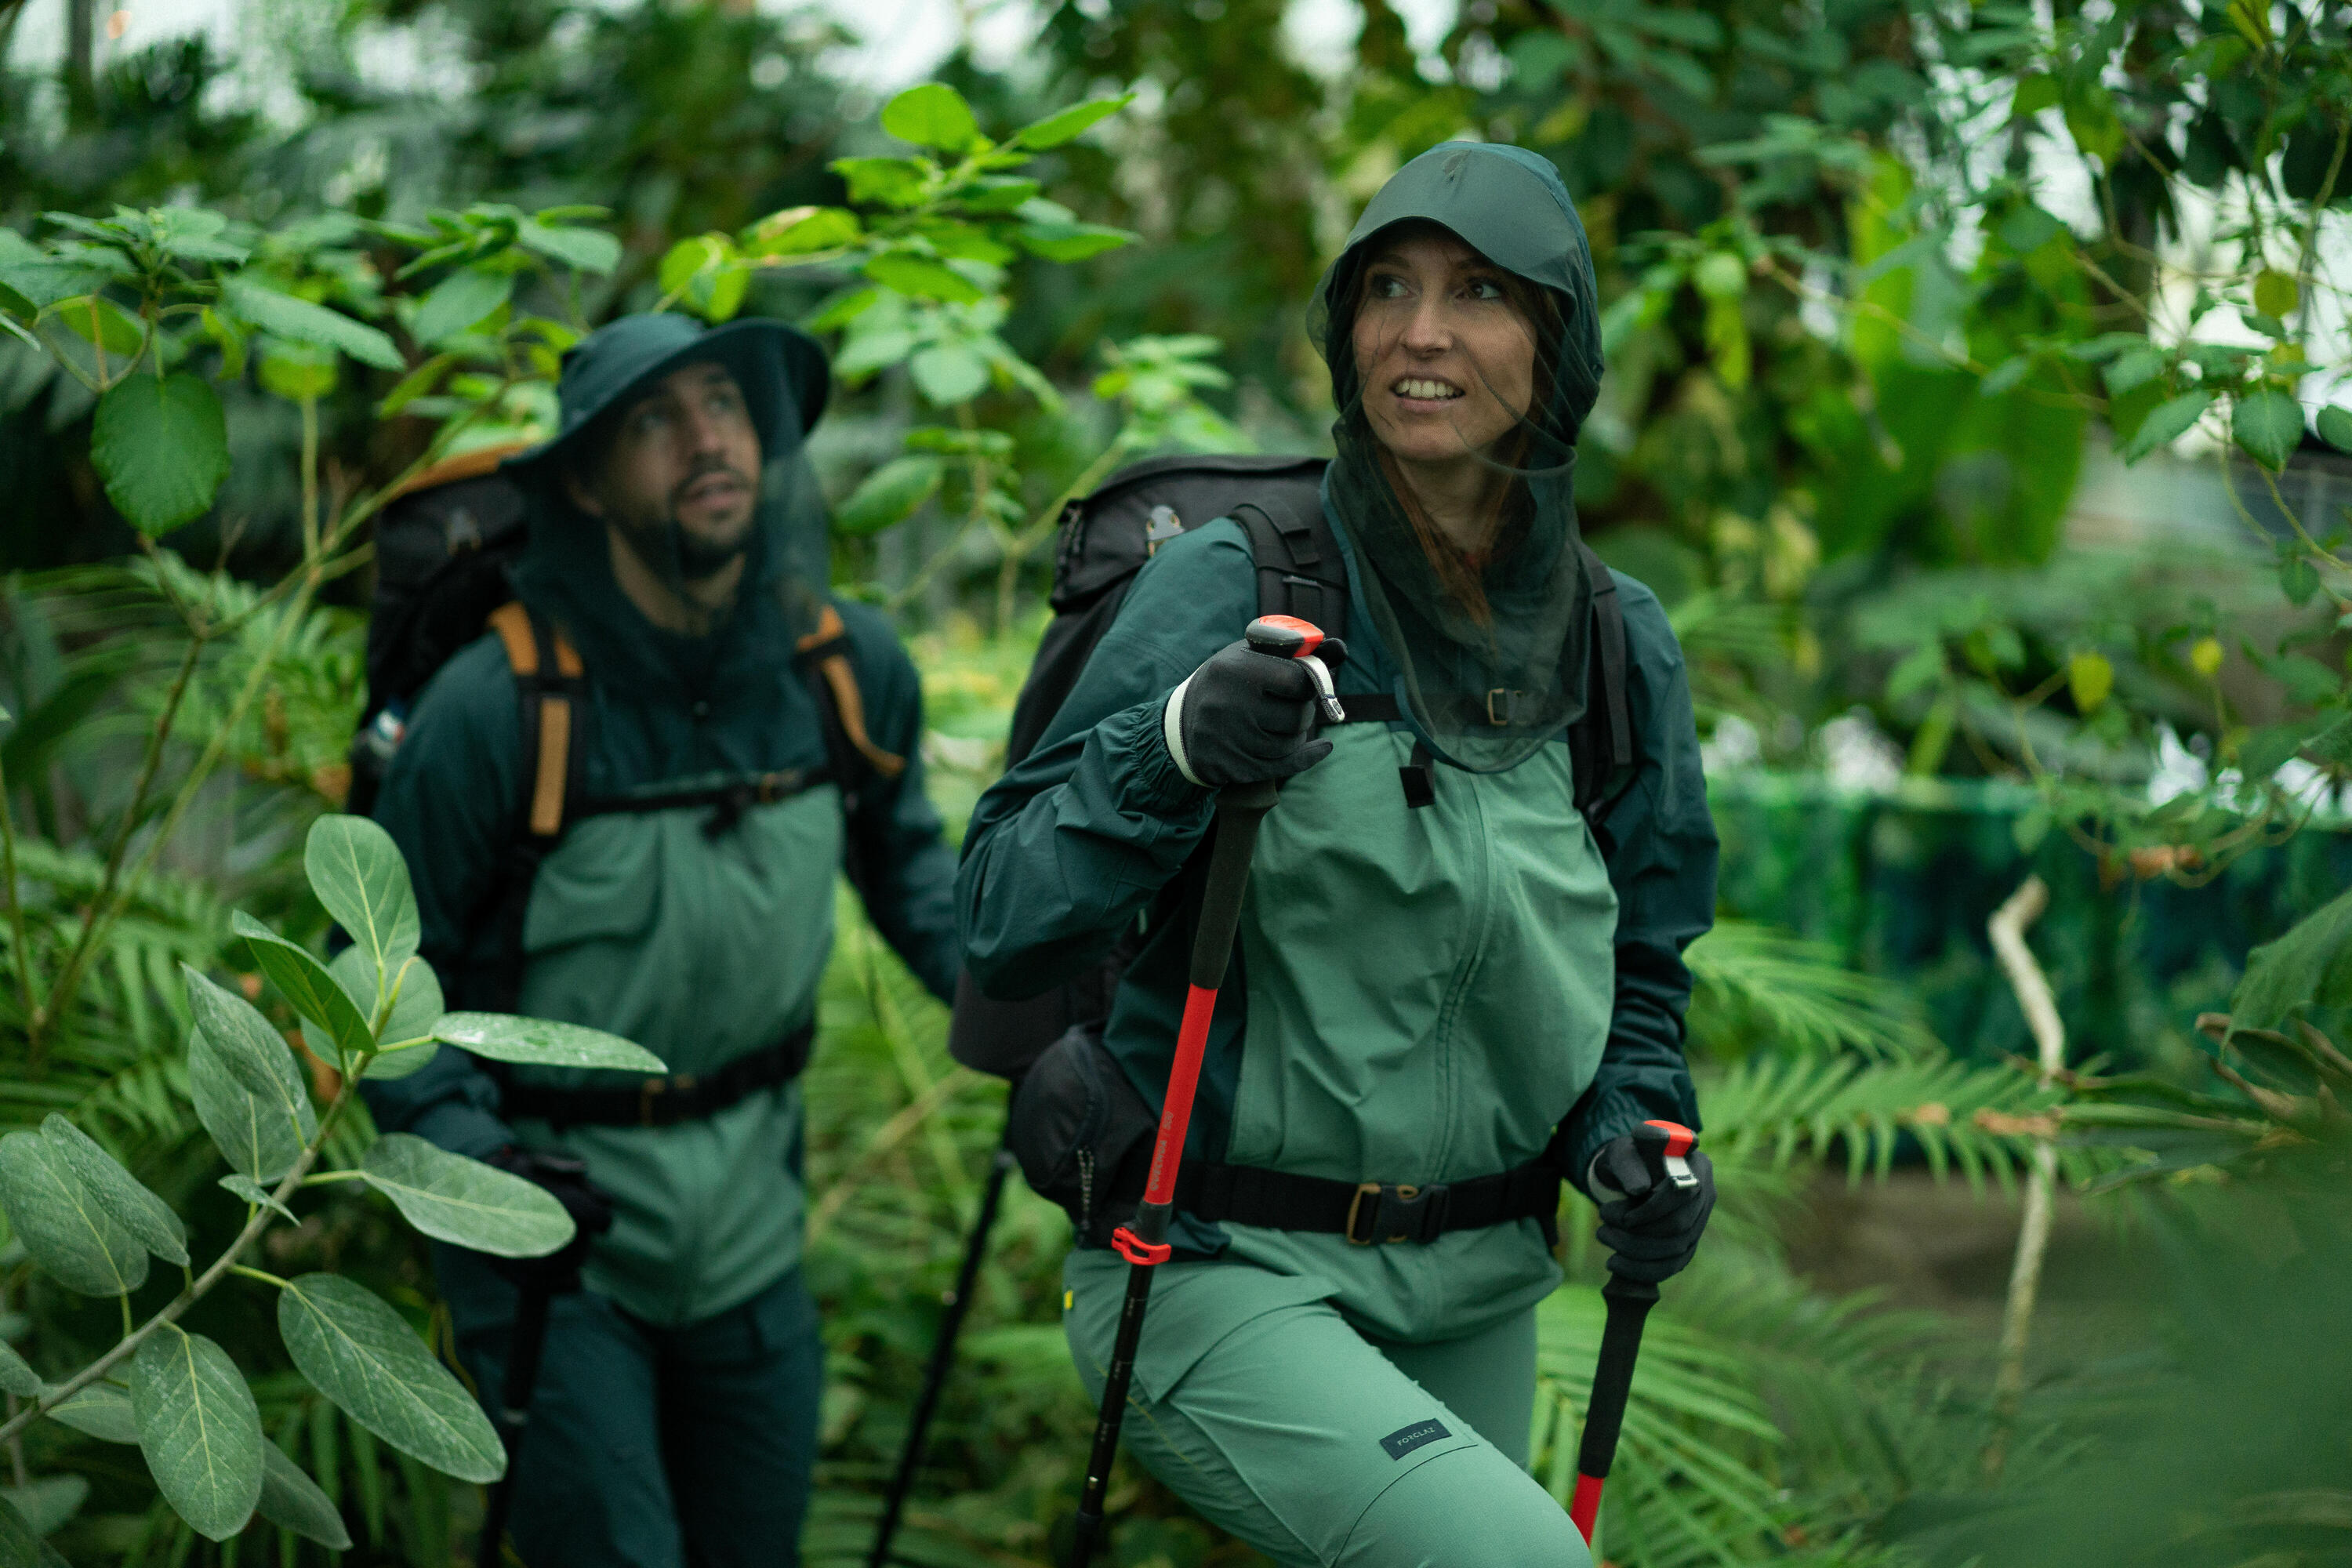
{"x": 1971, "y": 404}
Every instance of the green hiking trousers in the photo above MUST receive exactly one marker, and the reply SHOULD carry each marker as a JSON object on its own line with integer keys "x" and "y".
{"x": 651, "y": 1445}
{"x": 1259, "y": 1403}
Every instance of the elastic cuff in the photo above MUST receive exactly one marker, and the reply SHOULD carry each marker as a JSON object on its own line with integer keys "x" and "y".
{"x": 1171, "y": 729}
{"x": 1593, "y": 1185}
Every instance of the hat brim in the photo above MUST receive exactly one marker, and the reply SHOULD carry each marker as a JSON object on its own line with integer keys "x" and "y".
{"x": 783, "y": 373}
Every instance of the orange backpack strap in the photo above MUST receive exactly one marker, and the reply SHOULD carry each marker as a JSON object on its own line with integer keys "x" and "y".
{"x": 826, "y": 653}
{"x": 548, "y": 672}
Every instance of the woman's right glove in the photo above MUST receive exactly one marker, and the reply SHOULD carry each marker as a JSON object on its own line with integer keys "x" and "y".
{"x": 1650, "y": 1227}
{"x": 1244, "y": 716}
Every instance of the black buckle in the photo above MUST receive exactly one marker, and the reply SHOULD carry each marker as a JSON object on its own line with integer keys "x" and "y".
{"x": 1399, "y": 1212}
{"x": 1510, "y": 696}
{"x": 654, "y": 1108}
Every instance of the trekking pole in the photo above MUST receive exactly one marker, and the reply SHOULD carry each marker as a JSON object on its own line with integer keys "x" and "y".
{"x": 1664, "y": 1145}
{"x": 1144, "y": 1243}
{"x": 942, "y": 1355}
{"x": 521, "y": 1382}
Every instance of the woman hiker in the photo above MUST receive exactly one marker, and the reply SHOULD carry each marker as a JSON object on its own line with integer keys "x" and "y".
{"x": 1450, "y": 989}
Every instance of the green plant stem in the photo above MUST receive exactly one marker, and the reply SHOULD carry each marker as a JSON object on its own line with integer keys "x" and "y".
{"x": 309, "y": 479}
{"x": 38, "y": 1034}
{"x": 171, "y": 1310}
{"x": 322, "y": 1178}
{"x": 15, "y": 1450}
{"x": 243, "y": 1272}
{"x": 21, "y": 947}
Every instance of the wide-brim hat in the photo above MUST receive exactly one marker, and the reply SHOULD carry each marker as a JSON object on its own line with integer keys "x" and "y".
{"x": 782, "y": 370}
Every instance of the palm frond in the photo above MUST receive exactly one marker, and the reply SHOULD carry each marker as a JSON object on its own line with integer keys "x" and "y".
{"x": 1756, "y": 983}
{"x": 1981, "y": 1119}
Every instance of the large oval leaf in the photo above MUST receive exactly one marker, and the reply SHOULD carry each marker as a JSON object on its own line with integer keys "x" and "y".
{"x": 414, "y": 1010}
{"x": 890, "y": 494}
{"x": 253, "y": 1052}
{"x": 146, "y": 1217}
{"x": 290, "y": 1498}
{"x": 358, "y": 1353}
{"x": 505, "y": 1037}
{"x": 2269, "y": 425}
{"x": 21, "y": 1545}
{"x": 101, "y": 1411}
{"x": 359, "y": 875}
{"x": 452, "y": 1198}
{"x": 1058, "y": 128}
{"x": 62, "y": 1224}
{"x": 199, "y": 1429}
{"x": 308, "y": 323}
{"x": 304, "y": 979}
{"x": 162, "y": 447}
{"x": 461, "y": 301}
{"x": 931, "y": 115}
{"x": 254, "y": 1133}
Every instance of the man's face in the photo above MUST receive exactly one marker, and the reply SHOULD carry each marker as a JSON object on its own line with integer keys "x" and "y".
{"x": 680, "y": 472}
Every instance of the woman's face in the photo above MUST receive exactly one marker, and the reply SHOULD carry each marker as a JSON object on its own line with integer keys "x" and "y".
{"x": 1447, "y": 363}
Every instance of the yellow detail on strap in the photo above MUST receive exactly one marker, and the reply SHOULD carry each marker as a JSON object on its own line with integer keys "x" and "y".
{"x": 848, "y": 704}
{"x": 512, "y": 623}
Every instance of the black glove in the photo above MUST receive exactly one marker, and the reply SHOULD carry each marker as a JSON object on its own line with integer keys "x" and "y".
{"x": 1650, "y": 1225}
{"x": 557, "y": 1272}
{"x": 1244, "y": 716}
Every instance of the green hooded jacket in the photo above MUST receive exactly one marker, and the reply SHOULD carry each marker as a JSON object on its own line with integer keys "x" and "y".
{"x": 700, "y": 945}
{"x": 1418, "y": 995}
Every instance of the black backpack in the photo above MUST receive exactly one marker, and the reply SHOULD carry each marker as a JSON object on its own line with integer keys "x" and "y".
{"x": 444, "y": 548}
{"x": 1106, "y": 538}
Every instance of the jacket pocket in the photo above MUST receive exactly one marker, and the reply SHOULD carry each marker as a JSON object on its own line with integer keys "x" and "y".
{"x": 1082, "y": 1133}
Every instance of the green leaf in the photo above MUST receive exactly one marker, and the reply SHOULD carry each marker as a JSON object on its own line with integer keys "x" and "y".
{"x": 2269, "y": 425}
{"x": 1720, "y": 275}
{"x": 360, "y": 1354}
{"x": 2134, "y": 367}
{"x": 359, "y": 875}
{"x": 291, "y": 1498}
{"x": 453, "y": 1199}
{"x": 298, "y": 372}
{"x": 21, "y": 1545}
{"x": 460, "y": 301}
{"x": 47, "y": 1504}
{"x": 251, "y": 1131}
{"x": 17, "y": 1376}
{"x": 62, "y": 1226}
{"x": 305, "y": 323}
{"x": 46, "y": 279}
{"x": 2091, "y": 120}
{"x": 889, "y": 495}
{"x": 199, "y": 1430}
{"x": 193, "y": 234}
{"x": 706, "y": 272}
{"x": 2336, "y": 427}
{"x": 2275, "y": 293}
{"x": 800, "y": 231}
{"x": 100, "y": 1411}
{"x": 2333, "y": 745}
{"x": 162, "y": 447}
{"x": 931, "y": 115}
{"x": 416, "y": 384}
{"x": 1069, "y": 241}
{"x": 2311, "y": 964}
{"x": 949, "y": 374}
{"x": 2004, "y": 377}
{"x": 305, "y": 982}
{"x": 922, "y": 277}
{"x": 414, "y": 1010}
{"x": 253, "y": 1193}
{"x": 581, "y": 250}
{"x": 147, "y": 1218}
{"x": 1058, "y": 128}
{"x": 542, "y": 1041}
{"x": 98, "y": 320}
{"x": 2165, "y": 423}
{"x": 893, "y": 182}
{"x": 256, "y": 1058}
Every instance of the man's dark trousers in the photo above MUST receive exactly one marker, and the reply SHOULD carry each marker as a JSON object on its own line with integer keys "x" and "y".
{"x": 654, "y": 1447}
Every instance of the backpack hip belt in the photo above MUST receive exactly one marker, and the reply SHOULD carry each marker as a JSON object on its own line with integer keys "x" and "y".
{"x": 659, "y": 1101}
{"x": 1369, "y": 1213}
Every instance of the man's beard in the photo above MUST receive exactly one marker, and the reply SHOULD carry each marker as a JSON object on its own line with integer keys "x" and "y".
{"x": 672, "y": 554}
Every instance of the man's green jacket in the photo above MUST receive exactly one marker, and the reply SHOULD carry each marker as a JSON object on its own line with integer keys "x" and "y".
{"x": 1418, "y": 995}
{"x": 699, "y": 933}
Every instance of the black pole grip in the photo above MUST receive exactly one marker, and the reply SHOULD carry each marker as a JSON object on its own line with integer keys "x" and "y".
{"x": 935, "y": 1376}
{"x": 1240, "y": 810}
{"x": 1629, "y": 1303}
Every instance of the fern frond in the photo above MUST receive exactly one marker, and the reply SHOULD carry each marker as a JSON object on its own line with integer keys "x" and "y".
{"x": 1779, "y": 1107}
{"x": 1754, "y": 981}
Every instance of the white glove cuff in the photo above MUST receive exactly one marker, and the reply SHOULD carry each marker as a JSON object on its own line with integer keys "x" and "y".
{"x": 1595, "y": 1185}
{"x": 1171, "y": 729}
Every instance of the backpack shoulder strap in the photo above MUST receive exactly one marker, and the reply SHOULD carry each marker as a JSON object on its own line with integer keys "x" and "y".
{"x": 824, "y": 658}
{"x": 551, "y": 685}
{"x": 1605, "y": 754}
{"x": 1300, "y": 571}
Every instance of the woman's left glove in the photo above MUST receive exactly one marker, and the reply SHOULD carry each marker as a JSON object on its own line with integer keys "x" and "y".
{"x": 1650, "y": 1225}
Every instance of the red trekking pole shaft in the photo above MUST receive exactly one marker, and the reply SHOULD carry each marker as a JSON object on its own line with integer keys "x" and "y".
{"x": 1663, "y": 1146}
{"x": 1144, "y": 1243}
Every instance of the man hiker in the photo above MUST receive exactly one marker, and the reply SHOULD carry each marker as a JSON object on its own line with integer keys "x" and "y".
{"x": 1453, "y": 988}
{"x": 625, "y": 807}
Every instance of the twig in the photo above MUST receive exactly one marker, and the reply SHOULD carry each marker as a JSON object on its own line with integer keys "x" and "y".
{"x": 195, "y": 1288}
{"x": 2006, "y": 928}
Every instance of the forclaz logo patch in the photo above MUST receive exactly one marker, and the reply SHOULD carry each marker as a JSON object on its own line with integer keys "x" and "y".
{"x": 1405, "y": 1439}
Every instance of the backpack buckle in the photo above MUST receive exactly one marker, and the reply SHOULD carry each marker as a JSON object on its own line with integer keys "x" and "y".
{"x": 651, "y": 1105}
{"x": 1164, "y": 526}
{"x": 1404, "y": 1211}
{"x": 1502, "y": 717}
